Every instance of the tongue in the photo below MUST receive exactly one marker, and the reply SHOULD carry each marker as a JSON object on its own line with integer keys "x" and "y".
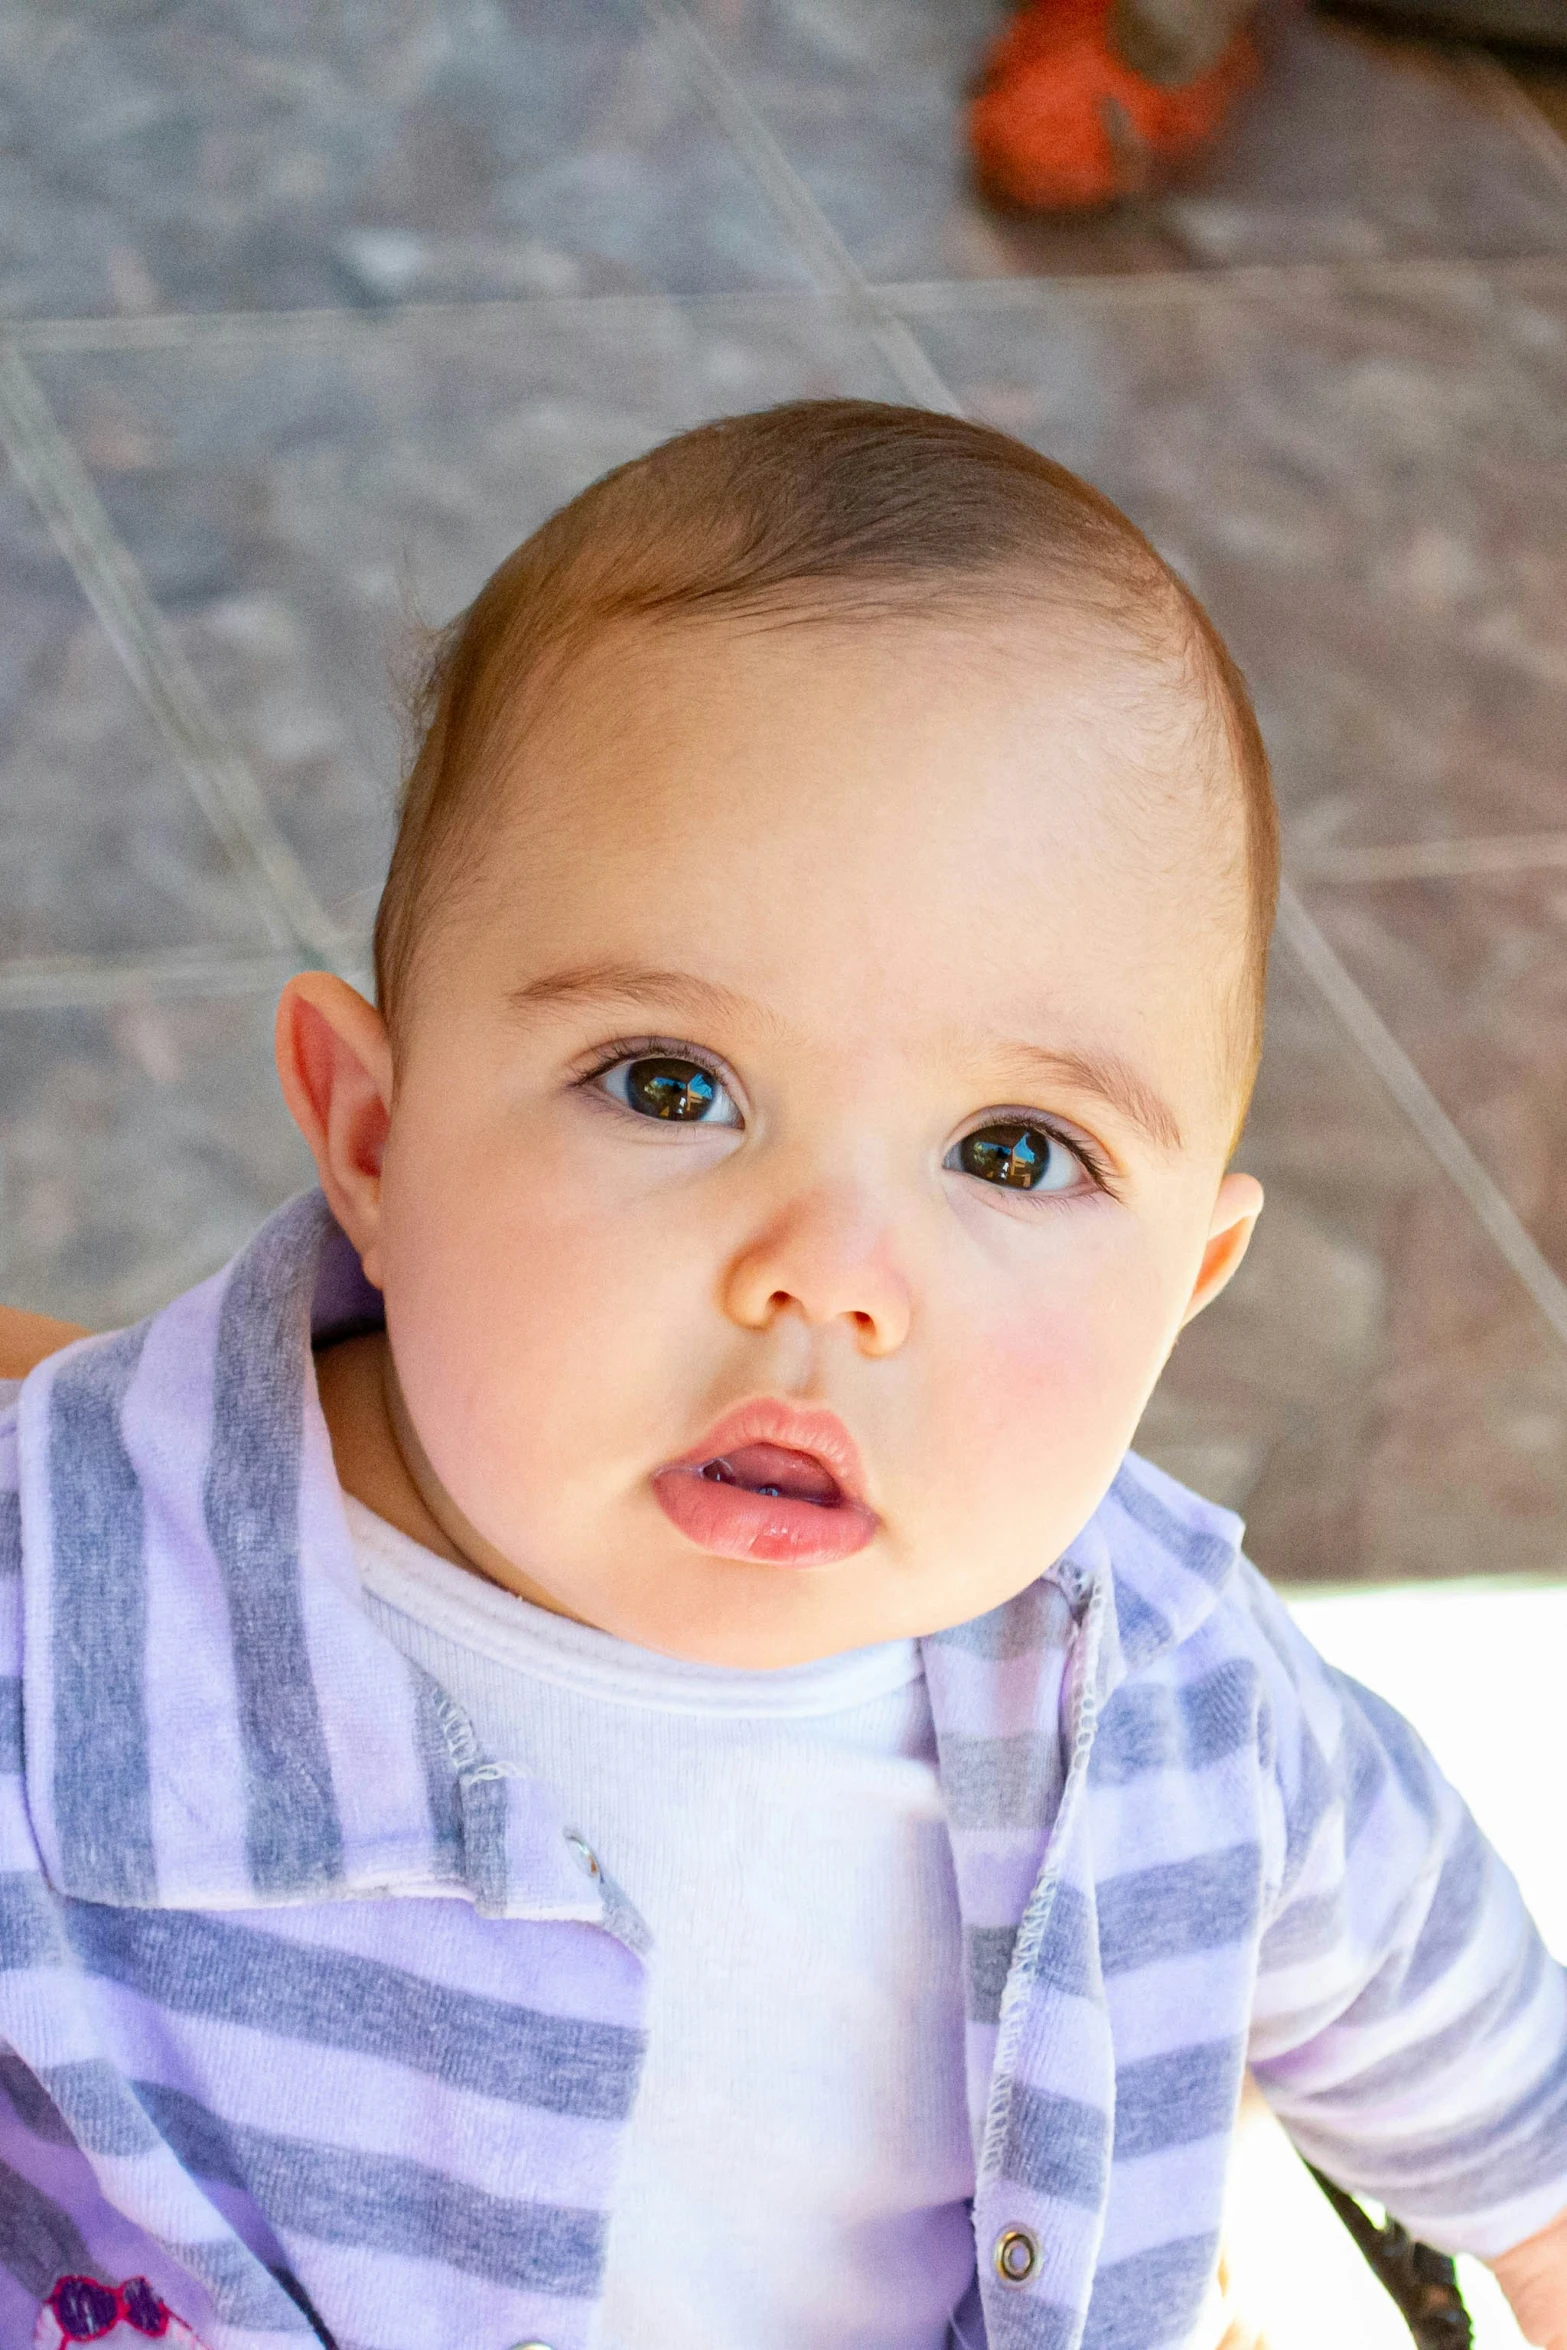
{"x": 796, "y": 1474}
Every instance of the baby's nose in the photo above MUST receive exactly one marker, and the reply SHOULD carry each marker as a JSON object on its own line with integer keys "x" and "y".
{"x": 829, "y": 1260}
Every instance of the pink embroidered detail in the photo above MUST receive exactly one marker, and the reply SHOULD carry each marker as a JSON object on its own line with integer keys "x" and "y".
{"x": 120, "y": 2317}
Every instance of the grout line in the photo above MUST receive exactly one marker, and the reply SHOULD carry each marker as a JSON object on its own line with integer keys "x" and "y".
{"x": 69, "y": 982}
{"x": 178, "y": 329}
{"x": 218, "y": 779}
{"x": 829, "y": 258}
{"x": 815, "y": 240}
{"x": 1502, "y": 97}
{"x": 1395, "y": 273}
{"x": 908, "y": 298}
{"x": 1518, "y": 852}
{"x": 1424, "y": 1112}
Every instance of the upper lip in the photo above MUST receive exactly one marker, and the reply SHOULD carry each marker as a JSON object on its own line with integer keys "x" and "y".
{"x": 808, "y": 1428}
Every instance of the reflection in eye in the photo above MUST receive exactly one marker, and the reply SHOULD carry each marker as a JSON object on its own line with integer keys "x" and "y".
{"x": 661, "y": 1086}
{"x": 1024, "y": 1158}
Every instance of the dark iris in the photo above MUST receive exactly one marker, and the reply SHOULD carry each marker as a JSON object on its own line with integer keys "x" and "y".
{"x": 1015, "y": 1155}
{"x": 670, "y": 1089}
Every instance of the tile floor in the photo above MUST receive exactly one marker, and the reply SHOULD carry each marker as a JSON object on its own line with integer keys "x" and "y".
{"x": 313, "y": 312}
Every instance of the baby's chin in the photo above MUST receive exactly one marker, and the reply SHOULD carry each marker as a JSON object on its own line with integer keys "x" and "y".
{"x": 666, "y": 1595}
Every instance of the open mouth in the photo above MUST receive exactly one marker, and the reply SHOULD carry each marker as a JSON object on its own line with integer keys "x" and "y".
{"x": 777, "y": 1471}
{"x": 750, "y": 1493}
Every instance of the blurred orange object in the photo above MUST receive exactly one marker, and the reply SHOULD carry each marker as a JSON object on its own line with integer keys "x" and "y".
{"x": 1059, "y": 121}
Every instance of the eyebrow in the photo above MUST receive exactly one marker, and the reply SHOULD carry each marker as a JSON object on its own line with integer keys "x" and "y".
{"x": 629, "y": 983}
{"x": 1110, "y": 1078}
{"x": 1103, "y": 1074}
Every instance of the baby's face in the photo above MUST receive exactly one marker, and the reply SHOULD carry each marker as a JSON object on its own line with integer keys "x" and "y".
{"x": 838, "y": 1026}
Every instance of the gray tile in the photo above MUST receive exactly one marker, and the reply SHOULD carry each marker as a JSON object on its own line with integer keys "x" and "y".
{"x": 295, "y": 505}
{"x": 1471, "y": 976}
{"x": 1376, "y": 1392}
{"x": 1364, "y": 479}
{"x": 251, "y": 154}
{"x": 1350, "y": 147}
{"x": 105, "y": 850}
{"x": 139, "y": 1147}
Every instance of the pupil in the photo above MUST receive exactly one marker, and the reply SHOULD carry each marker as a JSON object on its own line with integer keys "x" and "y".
{"x": 670, "y": 1089}
{"x": 1015, "y": 1155}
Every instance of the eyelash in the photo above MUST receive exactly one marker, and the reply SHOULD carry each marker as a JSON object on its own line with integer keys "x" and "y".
{"x": 631, "y": 1048}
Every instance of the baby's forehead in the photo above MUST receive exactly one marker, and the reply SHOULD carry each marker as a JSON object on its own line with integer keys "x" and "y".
{"x": 958, "y": 790}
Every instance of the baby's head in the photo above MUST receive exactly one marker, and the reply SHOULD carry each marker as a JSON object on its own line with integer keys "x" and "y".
{"x": 820, "y": 985}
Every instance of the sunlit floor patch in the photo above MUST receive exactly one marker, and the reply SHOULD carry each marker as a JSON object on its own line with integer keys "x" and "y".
{"x": 1477, "y": 1667}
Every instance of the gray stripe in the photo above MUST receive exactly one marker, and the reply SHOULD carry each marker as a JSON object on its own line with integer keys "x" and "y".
{"x": 98, "y": 2108}
{"x": 1179, "y": 1907}
{"x": 1209, "y": 1555}
{"x": 1306, "y": 1806}
{"x": 1067, "y": 1957}
{"x": 1488, "y": 2017}
{"x": 1309, "y": 1928}
{"x": 442, "y": 1796}
{"x": 210, "y": 1966}
{"x": 1461, "y": 2174}
{"x": 1019, "y": 2322}
{"x": 1361, "y": 1770}
{"x": 1177, "y": 2098}
{"x": 1144, "y": 1633}
{"x": 989, "y": 1962}
{"x": 1399, "y": 1743}
{"x": 39, "y": 2241}
{"x": 990, "y": 1783}
{"x": 10, "y": 1727}
{"x": 34, "y": 2108}
{"x": 1155, "y": 2296}
{"x": 1153, "y": 1728}
{"x": 244, "y": 2291}
{"x": 1056, "y": 2146}
{"x": 29, "y": 1922}
{"x": 10, "y": 1534}
{"x": 102, "y": 1802}
{"x": 385, "y": 2203}
{"x": 293, "y": 1838}
{"x": 1035, "y": 1618}
{"x": 1469, "y": 1875}
{"x": 485, "y": 1804}
{"x": 1446, "y": 1931}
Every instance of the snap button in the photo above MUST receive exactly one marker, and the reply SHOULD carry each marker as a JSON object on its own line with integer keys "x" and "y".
{"x": 587, "y": 1860}
{"x": 530, "y": 2346}
{"x": 1016, "y": 2256}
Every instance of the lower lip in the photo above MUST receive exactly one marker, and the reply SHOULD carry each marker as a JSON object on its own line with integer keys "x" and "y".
{"x": 734, "y": 1523}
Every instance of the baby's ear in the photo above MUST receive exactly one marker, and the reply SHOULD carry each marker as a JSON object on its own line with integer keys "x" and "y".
{"x": 334, "y": 1061}
{"x": 1235, "y": 1214}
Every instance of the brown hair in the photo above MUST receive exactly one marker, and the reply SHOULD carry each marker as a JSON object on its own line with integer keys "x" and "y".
{"x": 822, "y": 507}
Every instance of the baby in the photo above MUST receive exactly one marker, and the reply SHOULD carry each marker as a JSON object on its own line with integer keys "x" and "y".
{"x": 608, "y": 1744}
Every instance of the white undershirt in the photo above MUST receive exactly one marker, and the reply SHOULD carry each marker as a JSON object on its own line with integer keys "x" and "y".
{"x": 798, "y": 2160}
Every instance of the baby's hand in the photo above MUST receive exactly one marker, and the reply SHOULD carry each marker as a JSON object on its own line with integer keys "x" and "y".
{"x": 1534, "y": 2278}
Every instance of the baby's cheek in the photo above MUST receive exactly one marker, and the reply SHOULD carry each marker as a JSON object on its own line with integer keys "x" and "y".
{"x": 521, "y": 1332}
{"x": 1043, "y": 1399}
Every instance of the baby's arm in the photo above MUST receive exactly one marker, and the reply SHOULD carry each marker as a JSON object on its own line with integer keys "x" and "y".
{"x": 1409, "y": 2028}
{"x": 1534, "y": 2278}
{"x": 26, "y": 1338}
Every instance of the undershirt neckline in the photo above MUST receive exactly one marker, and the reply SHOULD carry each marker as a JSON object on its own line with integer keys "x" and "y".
{"x": 402, "y": 1574}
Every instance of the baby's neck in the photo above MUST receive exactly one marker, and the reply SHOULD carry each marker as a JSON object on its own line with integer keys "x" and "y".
{"x": 380, "y": 1461}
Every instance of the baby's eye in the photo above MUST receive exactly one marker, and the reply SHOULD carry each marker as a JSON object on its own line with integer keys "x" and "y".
{"x": 1024, "y": 1158}
{"x": 660, "y": 1085}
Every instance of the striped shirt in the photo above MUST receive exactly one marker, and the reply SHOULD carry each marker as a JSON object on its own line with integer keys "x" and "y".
{"x": 327, "y": 2026}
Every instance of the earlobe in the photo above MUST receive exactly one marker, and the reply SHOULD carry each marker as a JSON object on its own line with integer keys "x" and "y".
{"x": 334, "y": 1062}
{"x": 1235, "y": 1213}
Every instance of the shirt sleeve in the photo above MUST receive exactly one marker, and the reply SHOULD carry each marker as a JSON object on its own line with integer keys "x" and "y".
{"x": 1409, "y": 2026}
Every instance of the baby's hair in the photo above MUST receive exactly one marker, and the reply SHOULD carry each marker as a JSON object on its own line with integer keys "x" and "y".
{"x": 821, "y": 509}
